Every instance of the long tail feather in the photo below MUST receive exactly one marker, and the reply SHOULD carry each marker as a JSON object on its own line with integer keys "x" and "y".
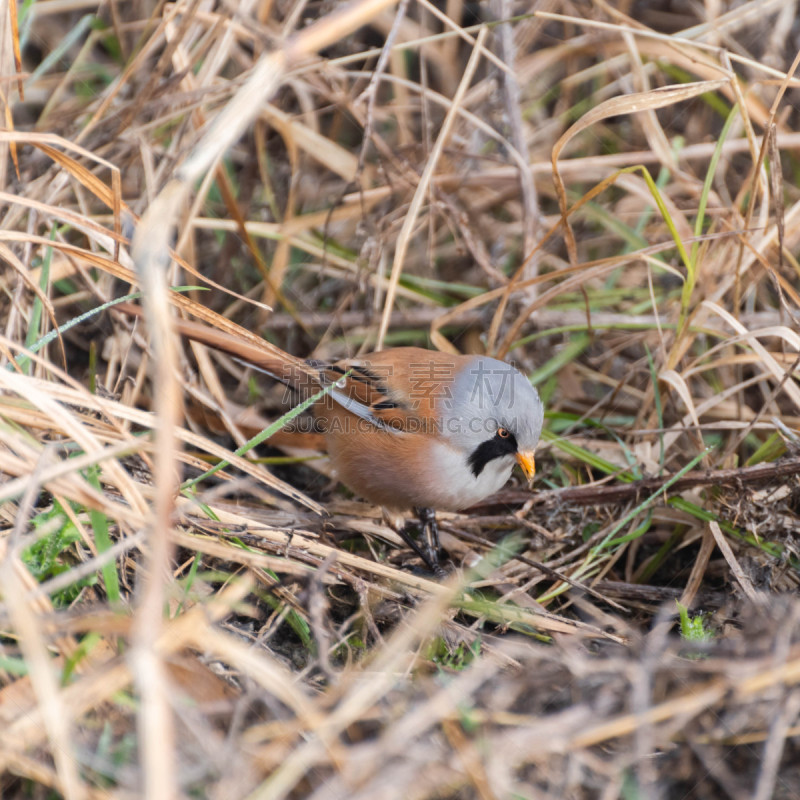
{"x": 244, "y": 346}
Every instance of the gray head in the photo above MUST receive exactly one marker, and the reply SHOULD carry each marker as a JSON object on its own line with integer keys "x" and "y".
{"x": 493, "y": 413}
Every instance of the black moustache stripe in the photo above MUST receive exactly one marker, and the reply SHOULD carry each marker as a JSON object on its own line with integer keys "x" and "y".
{"x": 487, "y": 451}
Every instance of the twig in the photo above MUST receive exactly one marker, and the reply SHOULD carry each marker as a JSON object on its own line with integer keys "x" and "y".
{"x": 609, "y": 495}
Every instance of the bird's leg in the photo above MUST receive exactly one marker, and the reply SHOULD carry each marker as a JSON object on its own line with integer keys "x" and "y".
{"x": 423, "y": 539}
{"x": 407, "y": 531}
{"x": 428, "y": 548}
{"x": 407, "y": 536}
{"x": 430, "y": 535}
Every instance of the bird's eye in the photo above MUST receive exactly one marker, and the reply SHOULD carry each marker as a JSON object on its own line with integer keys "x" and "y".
{"x": 503, "y": 433}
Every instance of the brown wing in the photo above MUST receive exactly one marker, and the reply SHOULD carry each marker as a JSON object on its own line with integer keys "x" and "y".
{"x": 397, "y": 389}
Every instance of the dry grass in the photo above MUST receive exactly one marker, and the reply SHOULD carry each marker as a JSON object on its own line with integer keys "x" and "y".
{"x": 604, "y": 193}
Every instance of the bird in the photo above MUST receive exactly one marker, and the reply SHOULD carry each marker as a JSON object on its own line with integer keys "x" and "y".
{"x": 406, "y": 428}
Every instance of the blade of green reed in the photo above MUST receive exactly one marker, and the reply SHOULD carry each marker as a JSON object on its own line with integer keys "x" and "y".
{"x": 37, "y": 345}
{"x": 102, "y": 540}
{"x": 609, "y": 537}
{"x": 37, "y": 309}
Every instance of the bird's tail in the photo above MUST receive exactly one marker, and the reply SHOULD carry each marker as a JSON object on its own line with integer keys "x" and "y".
{"x": 244, "y": 346}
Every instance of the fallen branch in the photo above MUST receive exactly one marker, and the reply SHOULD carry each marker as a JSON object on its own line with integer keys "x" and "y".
{"x": 602, "y": 494}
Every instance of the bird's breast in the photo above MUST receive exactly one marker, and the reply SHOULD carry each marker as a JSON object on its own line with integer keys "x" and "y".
{"x": 457, "y": 486}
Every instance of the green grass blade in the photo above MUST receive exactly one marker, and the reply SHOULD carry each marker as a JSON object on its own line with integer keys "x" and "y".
{"x": 263, "y": 435}
{"x": 102, "y": 540}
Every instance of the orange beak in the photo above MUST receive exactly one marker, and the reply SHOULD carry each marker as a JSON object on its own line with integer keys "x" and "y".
{"x": 528, "y": 466}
